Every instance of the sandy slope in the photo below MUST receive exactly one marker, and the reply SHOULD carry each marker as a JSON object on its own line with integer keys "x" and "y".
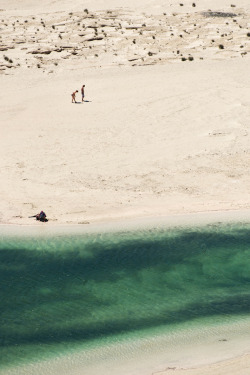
{"x": 150, "y": 141}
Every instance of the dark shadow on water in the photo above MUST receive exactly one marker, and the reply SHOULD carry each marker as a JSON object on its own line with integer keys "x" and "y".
{"x": 47, "y": 297}
{"x": 54, "y": 334}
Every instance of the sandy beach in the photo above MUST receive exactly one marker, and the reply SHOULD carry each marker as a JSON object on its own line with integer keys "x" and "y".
{"x": 156, "y": 136}
{"x": 164, "y": 129}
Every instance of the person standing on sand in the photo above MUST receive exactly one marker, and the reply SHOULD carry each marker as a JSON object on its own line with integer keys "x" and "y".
{"x": 82, "y": 91}
{"x": 74, "y": 96}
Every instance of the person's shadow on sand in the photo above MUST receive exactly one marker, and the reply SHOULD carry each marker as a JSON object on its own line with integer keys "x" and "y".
{"x": 85, "y": 101}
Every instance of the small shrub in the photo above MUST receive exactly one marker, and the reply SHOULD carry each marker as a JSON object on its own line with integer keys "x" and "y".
{"x": 221, "y": 46}
{"x": 193, "y": 5}
{"x": 183, "y": 59}
{"x": 150, "y": 54}
{"x": 53, "y": 27}
{"x": 86, "y": 11}
{"x": 190, "y": 58}
{"x": 248, "y": 34}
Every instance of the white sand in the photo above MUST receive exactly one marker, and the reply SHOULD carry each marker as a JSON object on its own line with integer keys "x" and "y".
{"x": 240, "y": 366}
{"x": 164, "y": 136}
{"x": 159, "y": 136}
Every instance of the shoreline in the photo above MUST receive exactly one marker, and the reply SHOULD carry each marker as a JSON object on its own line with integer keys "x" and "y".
{"x": 197, "y": 219}
{"x": 189, "y": 350}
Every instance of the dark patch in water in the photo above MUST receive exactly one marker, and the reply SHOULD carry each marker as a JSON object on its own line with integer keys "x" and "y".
{"x": 108, "y": 285}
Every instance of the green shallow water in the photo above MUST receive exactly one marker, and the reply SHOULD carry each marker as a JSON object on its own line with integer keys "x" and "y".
{"x": 60, "y": 293}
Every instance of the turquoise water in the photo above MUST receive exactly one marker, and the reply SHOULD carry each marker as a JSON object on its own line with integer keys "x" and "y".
{"x": 59, "y": 293}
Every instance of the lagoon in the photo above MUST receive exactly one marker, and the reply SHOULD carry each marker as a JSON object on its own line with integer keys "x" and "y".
{"x": 97, "y": 297}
